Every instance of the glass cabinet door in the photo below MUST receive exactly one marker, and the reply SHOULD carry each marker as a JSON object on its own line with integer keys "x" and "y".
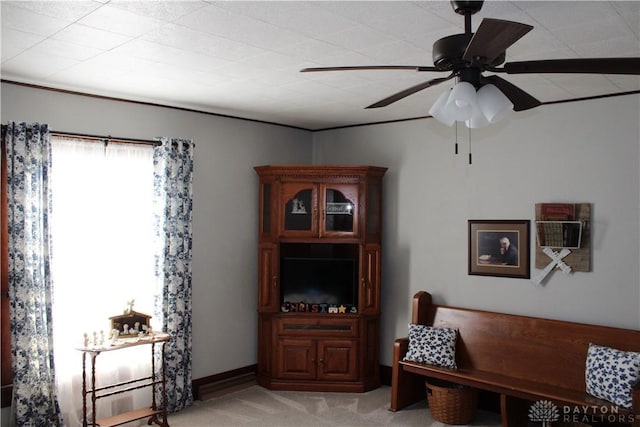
{"x": 340, "y": 210}
{"x": 300, "y": 209}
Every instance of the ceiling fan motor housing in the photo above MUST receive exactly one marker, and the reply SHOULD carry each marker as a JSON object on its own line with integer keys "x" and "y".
{"x": 466, "y": 7}
{"x": 447, "y": 53}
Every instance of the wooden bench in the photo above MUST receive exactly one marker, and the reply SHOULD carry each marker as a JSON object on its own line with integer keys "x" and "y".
{"x": 522, "y": 359}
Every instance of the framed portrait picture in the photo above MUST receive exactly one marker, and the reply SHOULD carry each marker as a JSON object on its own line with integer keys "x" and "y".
{"x": 499, "y": 248}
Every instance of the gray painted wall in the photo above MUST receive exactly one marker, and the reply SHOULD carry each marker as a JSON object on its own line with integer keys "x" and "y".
{"x": 584, "y": 152}
{"x": 578, "y": 152}
{"x": 225, "y": 227}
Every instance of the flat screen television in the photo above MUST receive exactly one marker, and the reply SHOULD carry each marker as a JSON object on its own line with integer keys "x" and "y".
{"x": 318, "y": 281}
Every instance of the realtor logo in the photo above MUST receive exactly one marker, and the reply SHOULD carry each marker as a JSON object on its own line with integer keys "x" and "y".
{"x": 545, "y": 411}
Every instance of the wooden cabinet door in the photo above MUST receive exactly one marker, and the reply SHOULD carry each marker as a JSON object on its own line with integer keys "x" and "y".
{"x": 296, "y": 359}
{"x": 337, "y": 360}
{"x": 339, "y": 212}
{"x": 298, "y": 209}
{"x": 268, "y": 284}
{"x": 370, "y": 280}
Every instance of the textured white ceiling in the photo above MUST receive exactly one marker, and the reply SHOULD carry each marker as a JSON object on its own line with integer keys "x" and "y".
{"x": 242, "y": 58}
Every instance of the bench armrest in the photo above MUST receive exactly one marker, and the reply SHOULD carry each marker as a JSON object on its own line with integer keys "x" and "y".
{"x": 400, "y": 347}
{"x": 406, "y": 388}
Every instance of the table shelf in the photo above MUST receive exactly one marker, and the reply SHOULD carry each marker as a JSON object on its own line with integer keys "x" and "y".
{"x": 126, "y": 417}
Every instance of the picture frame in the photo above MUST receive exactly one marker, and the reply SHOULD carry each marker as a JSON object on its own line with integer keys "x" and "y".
{"x": 500, "y": 248}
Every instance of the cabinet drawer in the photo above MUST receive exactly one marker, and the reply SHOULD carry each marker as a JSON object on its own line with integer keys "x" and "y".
{"x": 316, "y": 326}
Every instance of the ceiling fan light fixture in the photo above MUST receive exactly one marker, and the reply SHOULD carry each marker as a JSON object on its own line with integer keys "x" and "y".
{"x": 478, "y": 119}
{"x": 438, "y": 109}
{"x": 462, "y": 101}
{"x": 494, "y": 104}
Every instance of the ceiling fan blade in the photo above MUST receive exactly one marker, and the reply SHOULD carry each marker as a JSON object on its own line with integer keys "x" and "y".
{"x": 410, "y": 91}
{"x": 521, "y": 100}
{"x": 371, "y": 67}
{"x": 580, "y": 65}
{"x": 492, "y": 38}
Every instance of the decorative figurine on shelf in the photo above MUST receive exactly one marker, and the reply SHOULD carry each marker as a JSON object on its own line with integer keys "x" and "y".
{"x": 298, "y": 207}
{"x": 114, "y": 336}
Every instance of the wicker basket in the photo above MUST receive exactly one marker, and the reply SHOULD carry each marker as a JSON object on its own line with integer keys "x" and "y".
{"x": 451, "y": 403}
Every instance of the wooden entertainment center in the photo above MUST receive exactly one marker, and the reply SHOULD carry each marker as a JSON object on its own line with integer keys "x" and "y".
{"x": 319, "y": 277}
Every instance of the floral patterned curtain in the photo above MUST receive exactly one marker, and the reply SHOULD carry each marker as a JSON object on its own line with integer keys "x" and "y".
{"x": 28, "y": 150}
{"x": 173, "y": 178}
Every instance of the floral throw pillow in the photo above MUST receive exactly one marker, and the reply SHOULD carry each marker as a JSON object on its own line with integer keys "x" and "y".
{"x": 611, "y": 374}
{"x": 434, "y": 346}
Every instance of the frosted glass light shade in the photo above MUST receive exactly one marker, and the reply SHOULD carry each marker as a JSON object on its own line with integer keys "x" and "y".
{"x": 493, "y": 103}
{"x": 438, "y": 109}
{"x": 477, "y": 120}
{"x": 461, "y": 101}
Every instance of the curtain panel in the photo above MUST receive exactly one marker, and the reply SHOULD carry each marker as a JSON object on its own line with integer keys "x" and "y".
{"x": 28, "y": 150}
{"x": 173, "y": 182}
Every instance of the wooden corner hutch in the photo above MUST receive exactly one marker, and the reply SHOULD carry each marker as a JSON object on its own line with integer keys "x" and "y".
{"x": 319, "y": 277}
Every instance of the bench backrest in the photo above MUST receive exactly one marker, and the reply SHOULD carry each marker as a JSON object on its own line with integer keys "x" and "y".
{"x": 549, "y": 351}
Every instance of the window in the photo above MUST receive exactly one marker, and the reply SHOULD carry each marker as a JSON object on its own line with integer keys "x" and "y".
{"x": 102, "y": 257}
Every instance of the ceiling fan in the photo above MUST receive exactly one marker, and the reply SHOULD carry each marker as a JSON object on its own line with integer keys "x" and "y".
{"x": 466, "y": 56}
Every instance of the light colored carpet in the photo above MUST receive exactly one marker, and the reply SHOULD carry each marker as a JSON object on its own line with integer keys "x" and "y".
{"x": 259, "y": 407}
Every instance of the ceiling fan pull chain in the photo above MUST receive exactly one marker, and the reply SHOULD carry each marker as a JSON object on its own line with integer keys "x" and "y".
{"x": 470, "y": 146}
{"x": 456, "y": 137}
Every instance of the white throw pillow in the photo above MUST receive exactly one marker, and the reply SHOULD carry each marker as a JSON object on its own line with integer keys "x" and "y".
{"x": 434, "y": 346}
{"x": 611, "y": 374}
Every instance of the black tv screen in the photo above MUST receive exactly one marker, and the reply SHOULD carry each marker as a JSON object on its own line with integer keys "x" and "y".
{"x": 318, "y": 281}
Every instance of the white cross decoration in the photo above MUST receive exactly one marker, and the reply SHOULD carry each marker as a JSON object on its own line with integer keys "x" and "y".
{"x": 556, "y": 260}
{"x": 130, "y": 306}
